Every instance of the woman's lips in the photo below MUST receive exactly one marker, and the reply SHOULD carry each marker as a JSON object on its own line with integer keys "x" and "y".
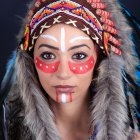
{"x": 64, "y": 89}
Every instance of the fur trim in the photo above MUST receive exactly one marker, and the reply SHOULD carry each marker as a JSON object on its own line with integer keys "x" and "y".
{"x": 15, "y": 116}
{"x": 132, "y": 106}
{"x": 109, "y": 108}
{"x": 38, "y": 116}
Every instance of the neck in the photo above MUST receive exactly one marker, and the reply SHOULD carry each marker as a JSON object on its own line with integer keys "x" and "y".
{"x": 74, "y": 114}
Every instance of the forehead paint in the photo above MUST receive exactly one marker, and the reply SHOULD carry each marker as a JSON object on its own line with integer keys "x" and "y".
{"x": 45, "y": 67}
{"x": 63, "y": 97}
{"x": 83, "y": 67}
{"x": 49, "y": 37}
{"x": 79, "y": 38}
{"x": 63, "y": 48}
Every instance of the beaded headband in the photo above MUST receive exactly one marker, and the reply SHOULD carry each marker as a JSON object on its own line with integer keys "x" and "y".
{"x": 89, "y": 16}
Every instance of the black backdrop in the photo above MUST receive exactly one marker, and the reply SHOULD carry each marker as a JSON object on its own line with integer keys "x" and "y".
{"x": 10, "y": 23}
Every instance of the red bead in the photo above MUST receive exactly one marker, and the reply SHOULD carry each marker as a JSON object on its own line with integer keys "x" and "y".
{"x": 91, "y": 1}
{"x": 107, "y": 21}
{"x": 99, "y": 5}
{"x": 103, "y": 13}
{"x": 110, "y": 29}
{"x": 116, "y": 50}
{"x": 114, "y": 40}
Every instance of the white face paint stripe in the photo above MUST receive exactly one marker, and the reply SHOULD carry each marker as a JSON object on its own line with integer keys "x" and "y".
{"x": 63, "y": 98}
{"x": 49, "y": 37}
{"x": 63, "y": 48}
{"x": 79, "y": 38}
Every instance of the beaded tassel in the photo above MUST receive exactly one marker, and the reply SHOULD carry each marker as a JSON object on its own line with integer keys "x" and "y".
{"x": 98, "y": 5}
{"x": 108, "y": 26}
{"x": 107, "y": 21}
{"x": 115, "y": 50}
{"x": 110, "y": 29}
{"x": 103, "y": 13}
{"x": 91, "y": 1}
{"x": 114, "y": 40}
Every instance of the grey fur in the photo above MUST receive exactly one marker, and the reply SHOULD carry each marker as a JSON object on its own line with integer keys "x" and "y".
{"x": 38, "y": 115}
{"x": 109, "y": 109}
{"x": 132, "y": 106}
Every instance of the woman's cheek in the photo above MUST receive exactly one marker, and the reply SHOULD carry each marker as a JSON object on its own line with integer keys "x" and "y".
{"x": 45, "y": 67}
{"x": 82, "y": 68}
{"x": 76, "y": 68}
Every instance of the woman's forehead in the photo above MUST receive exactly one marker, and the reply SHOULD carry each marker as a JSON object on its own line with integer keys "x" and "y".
{"x": 64, "y": 36}
{"x": 65, "y": 31}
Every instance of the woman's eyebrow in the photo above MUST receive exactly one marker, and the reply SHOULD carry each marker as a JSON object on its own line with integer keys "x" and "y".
{"x": 71, "y": 48}
{"x": 48, "y": 46}
{"x": 79, "y": 46}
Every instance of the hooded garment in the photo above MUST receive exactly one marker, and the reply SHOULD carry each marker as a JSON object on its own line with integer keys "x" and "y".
{"x": 25, "y": 110}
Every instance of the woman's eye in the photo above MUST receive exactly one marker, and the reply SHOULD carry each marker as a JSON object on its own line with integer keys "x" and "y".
{"x": 47, "y": 55}
{"x": 79, "y": 56}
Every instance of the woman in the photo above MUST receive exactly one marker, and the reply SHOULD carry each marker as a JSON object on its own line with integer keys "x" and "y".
{"x": 70, "y": 80}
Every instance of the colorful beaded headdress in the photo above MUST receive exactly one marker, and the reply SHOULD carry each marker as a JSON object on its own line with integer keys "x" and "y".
{"x": 89, "y": 16}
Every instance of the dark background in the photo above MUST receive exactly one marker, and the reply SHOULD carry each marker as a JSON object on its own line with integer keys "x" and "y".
{"x": 10, "y": 24}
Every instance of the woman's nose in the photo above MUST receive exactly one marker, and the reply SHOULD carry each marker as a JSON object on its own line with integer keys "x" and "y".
{"x": 63, "y": 71}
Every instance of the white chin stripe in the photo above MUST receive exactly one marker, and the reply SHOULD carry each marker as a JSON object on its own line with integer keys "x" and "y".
{"x": 63, "y": 98}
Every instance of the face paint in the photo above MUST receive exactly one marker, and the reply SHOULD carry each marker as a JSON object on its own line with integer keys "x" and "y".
{"x": 47, "y": 68}
{"x": 64, "y": 97}
{"x": 79, "y": 38}
{"x": 49, "y": 37}
{"x": 83, "y": 67}
{"x": 63, "y": 48}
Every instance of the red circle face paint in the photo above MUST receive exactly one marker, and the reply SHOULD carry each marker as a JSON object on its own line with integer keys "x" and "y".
{"x": 82, "y": 67}
{"x": 45, "y": 67}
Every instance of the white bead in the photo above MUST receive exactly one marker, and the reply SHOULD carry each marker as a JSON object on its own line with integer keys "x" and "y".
{"x": 86, "y": 66}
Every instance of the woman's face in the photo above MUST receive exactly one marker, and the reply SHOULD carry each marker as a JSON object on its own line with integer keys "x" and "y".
{"x": 64, "y": 58}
